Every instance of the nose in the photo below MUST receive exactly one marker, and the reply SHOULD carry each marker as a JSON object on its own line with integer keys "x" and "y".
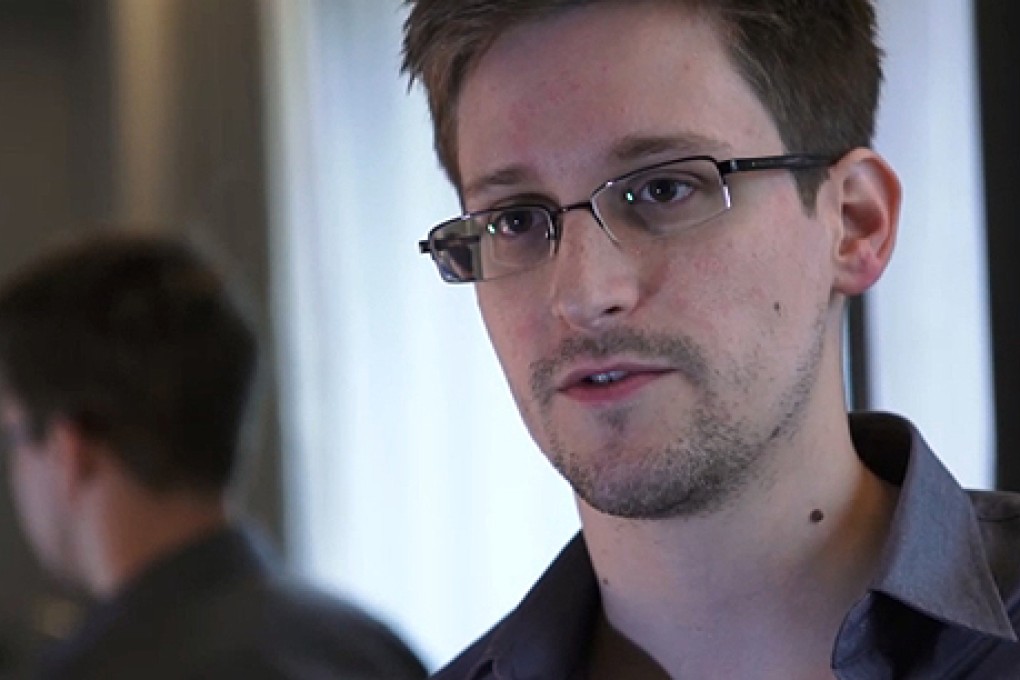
{"x": 596, "y": 282}
{"x": 587, "y": 206}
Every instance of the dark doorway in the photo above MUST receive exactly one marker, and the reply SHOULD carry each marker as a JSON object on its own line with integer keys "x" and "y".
{"x": 999, "y": 54}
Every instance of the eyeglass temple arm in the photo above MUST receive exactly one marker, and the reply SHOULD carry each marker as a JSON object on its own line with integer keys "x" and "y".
{"x": 435, "y": 245}
{"x": 787, "y": 162}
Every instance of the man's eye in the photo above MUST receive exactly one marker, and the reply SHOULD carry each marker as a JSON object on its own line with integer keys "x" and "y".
{"x": 661, "y": 190}
{"x": 511, "y": 223}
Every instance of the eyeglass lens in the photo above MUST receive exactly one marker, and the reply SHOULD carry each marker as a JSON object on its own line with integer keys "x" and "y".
{"x": 650, "y": 203}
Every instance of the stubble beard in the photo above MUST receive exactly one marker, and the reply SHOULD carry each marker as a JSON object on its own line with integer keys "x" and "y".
{"x": 708, "y": 461}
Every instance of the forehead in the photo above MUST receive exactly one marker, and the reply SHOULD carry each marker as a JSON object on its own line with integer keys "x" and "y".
{"x": 565, "y": 91}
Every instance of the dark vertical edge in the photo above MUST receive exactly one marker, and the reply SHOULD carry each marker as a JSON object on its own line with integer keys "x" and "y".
{"x": 998, "y": 55}
{"x": 857, "y": 350}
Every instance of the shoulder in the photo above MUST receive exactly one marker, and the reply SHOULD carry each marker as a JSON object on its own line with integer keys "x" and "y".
{"x": 547, "y": 634}
{"x": 996, "y": 507}
{"x": 476, "y": 660}
{"x": 256, "y": 628}
{"x": 998, "y": 517}
{"x": 293, "y": 620}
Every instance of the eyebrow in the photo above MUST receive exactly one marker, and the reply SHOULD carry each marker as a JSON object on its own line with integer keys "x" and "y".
{"x": 628, "y": 149}
{"x": 504, "y": 177}
{"x": 639, "y": 147}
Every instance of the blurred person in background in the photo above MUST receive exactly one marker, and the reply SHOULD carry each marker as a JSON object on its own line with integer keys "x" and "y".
{"x": 129, "y": 373}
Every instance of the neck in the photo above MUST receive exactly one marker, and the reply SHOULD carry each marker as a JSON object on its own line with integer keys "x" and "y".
{"x": 800, "y": 550}
{"x": 127, "y": 528}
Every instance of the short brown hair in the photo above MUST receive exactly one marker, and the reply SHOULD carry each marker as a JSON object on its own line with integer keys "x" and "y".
{"x": 140, "y": 343}
{"x": 814, "y": 64}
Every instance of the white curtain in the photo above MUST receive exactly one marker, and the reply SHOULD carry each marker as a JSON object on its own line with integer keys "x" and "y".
{"x": 413, "y": 485}
{"x": 929, "y": 314}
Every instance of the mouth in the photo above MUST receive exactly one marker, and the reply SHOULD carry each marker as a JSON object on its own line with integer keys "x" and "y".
{"x": 609, "y": 384}
{"x": 606, "y": 378}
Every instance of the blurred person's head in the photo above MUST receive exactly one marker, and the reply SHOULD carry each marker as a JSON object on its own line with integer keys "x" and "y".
{"x": 126, "y": 374}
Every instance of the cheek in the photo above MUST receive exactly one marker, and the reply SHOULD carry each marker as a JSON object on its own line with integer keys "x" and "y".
{"x": 517, "y": 336}
{"x": 513, "y": 331}
{"x": 28, "y": 493}
{"x": 707, "y": 289}
{"x": 730, "y": 294}
{"x": 20, "y": 481}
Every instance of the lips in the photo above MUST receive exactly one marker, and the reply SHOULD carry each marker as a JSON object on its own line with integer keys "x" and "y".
{"x": 614, "y": 365}
{"x": 608, "y": 383}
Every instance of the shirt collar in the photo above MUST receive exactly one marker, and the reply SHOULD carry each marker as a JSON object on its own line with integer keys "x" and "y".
{"x": 934, "y": 563}
{"x": 934, "y": 560}
{"x": 547, "y": 635}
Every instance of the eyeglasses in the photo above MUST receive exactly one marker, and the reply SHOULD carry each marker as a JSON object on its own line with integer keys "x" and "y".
{"x": 654, "y": 202}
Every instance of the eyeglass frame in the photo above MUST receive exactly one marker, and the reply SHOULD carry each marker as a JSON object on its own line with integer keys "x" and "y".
{"x": 792, "y": 162}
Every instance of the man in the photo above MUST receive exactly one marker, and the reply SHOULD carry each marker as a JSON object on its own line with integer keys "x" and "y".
{"x": 127, "y": 372}
{"x": 667, "y": 204}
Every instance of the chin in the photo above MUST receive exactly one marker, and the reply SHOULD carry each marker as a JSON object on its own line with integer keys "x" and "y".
{"x": 647, "y": 482}
{"x": 638, "y": 499}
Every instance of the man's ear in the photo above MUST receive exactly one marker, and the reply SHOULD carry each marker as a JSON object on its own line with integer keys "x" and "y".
{"x": 869, "y": 197}
{"x": 76, "y": 455}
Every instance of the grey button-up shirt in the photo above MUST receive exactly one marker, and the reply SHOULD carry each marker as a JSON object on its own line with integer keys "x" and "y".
{"x": 219, "y": 608}
{"x": 945, "y": 602}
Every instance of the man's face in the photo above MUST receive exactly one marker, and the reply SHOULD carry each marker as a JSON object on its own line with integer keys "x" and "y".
{"x": 656, "y": 377}
{"x": 35, "y": 483}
